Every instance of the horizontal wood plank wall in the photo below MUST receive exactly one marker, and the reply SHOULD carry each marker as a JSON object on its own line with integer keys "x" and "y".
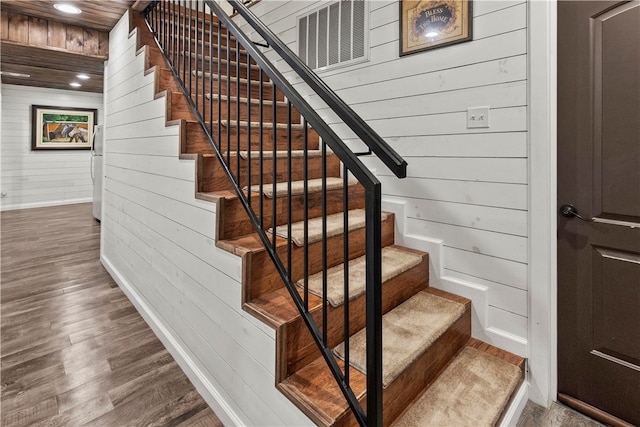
{"x": 161, "y": 240}
{"x": 41, "y": 178}
{"x": 466, "y": 187}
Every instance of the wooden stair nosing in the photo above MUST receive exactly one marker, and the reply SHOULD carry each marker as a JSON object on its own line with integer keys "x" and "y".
{"x": 214, "y": 60}
{"x": 232, "y": 79}
{"x": 244, "y": 100}
{"x": 265, "y": 125}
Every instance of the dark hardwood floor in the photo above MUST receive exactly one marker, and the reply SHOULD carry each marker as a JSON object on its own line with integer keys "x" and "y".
{"x": 73, "y": 349}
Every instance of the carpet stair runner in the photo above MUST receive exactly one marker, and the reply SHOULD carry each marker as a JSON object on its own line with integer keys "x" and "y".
{"x": 434, "y": 373}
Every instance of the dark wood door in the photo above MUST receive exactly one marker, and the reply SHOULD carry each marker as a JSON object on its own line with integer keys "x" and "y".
{"x": 599, "y": 173}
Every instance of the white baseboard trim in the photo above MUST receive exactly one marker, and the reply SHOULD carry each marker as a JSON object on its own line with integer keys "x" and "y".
{"x": 201, "y": 382}
{"x": 513, "y": 413}
{"x": 17, "y": 206}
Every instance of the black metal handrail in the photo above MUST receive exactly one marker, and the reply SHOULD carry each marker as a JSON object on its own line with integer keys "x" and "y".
{"x": 379, "y": 146}
{"x": 187, "y": 41}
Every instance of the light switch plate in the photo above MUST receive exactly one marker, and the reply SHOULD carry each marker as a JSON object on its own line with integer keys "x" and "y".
{"x": 478, "y": 117}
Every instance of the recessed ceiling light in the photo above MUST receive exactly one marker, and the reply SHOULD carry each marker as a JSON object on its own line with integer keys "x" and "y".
{"x": 82, "y": 76}
{"x": 75, "y": 84}
{"x": 67, "y": 8}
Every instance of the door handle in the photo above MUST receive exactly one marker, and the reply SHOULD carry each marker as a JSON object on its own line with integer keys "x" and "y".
{"x": 570, "y": 211}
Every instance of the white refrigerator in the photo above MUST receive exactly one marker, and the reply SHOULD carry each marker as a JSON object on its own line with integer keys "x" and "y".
{"x": 96, "y": 169}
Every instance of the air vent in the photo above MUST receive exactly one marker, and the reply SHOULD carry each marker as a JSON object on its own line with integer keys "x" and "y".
{"x": 335, "y": 34}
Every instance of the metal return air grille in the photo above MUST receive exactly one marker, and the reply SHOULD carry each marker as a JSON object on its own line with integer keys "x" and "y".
{"x": 335, "y": 34}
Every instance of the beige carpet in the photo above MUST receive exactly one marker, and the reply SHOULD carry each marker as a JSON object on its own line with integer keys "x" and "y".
{"x": 335, "y": 225}
{"x": 472, "y": 391}
{"x": 407, "y": 331}
{"x": 295, "y": 154}
{"x": 395, "y": 261}
{"x": 297, "y": 187}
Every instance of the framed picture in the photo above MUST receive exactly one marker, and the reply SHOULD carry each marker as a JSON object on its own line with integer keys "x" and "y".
{"x": 62, "y": 128}
{"x": 429, "y": 24}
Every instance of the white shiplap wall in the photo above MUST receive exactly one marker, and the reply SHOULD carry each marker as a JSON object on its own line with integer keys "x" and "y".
{"x": 158, "y": 243}
{"x": 41, "y": 178}
{"x": 465, "y": 198}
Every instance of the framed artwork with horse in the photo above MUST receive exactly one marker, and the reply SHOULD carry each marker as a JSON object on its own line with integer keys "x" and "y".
{"x": 62, "y": 128}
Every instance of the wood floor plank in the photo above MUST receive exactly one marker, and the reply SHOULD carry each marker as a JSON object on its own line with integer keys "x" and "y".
{"x": 74, "y": 350}
{"x": 28, "y": 416}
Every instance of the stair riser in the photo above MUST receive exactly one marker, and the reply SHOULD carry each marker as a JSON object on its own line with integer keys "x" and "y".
{"x": 264, "y": 278}
{"x": 213, "y": 67}
{"x": 297, "y": 138}
{"x": 227, "y": 108}
{"x": 301, "y": 351}
{"x": 230, "y": 88}
{"x": 231, "y": 53}
{"x": 183, "y": 34}
{"x": 209, "y": 179}
{"x": 238, "y": 225}
{"x": 196, "y": 141}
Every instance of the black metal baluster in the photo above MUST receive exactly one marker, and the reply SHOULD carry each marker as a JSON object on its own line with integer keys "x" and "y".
{"x": 190, "y": 57}
{"x": 211, "y": 75}
{"x": 305, "y": 178}
{"x": 203, "y": 98}
{"x": 183, "y": 51}
{"x": 167, "y": 29}
{"x": 261, "y": 144}
{"x": 195, "y": 51}
{"x": 219, "y": 88}
{"x": 345, "y": 206}
{"x": 228, "y": 104}
{"x": 324, "y": 244}
{"x": 172, "y": 21}
{"x": 274, "y": 163}
{"x": 238, "y": 106}
{"x": 163, "y": 20}
{"x": 289, "y": 247}
{"x": 249, "y": 133}
{"x": 176, "y": 33}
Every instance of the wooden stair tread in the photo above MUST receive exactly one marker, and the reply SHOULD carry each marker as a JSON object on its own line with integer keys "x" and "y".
{"x": 247, "y": 243}
{"x": 395, "y": 261}
{"x": 335, "y": 226}
{"x": 297, "y": 187}
{"x": 316, "y": 389}
{"x": 265, "y": 125}
{"x": 278, "y": 306}
{"x": 473, "y": 407}
{"x": 282, "y": 154}
{"x": 417, "y": 322}
{"x": 214, "y": 60}
{"x": 254, "y": 100}
{"x": 214, "y": 78}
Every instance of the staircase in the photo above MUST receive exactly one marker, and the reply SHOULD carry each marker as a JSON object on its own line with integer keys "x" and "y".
{"x": 312, "y": 216}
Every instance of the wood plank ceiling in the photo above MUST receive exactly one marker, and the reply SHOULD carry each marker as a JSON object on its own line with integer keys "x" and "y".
{"x": 53, "y": 47}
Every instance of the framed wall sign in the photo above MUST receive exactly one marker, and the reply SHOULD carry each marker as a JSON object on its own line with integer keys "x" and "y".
{"x": 429, "y": 24}
{"x": 62, "y": 128}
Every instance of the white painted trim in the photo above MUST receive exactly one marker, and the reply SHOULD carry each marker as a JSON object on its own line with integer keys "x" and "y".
{"x": 45, "y": 204}
{"x": 512, "y": 415}
{"x": 477, "y": 293}
{"x": 542, "y": 353}
{"x": 214, "y": 399}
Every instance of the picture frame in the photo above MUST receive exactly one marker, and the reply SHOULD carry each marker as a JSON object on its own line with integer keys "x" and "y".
{"x": 431, "y": 24}
{"x": 62, "y": 128}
